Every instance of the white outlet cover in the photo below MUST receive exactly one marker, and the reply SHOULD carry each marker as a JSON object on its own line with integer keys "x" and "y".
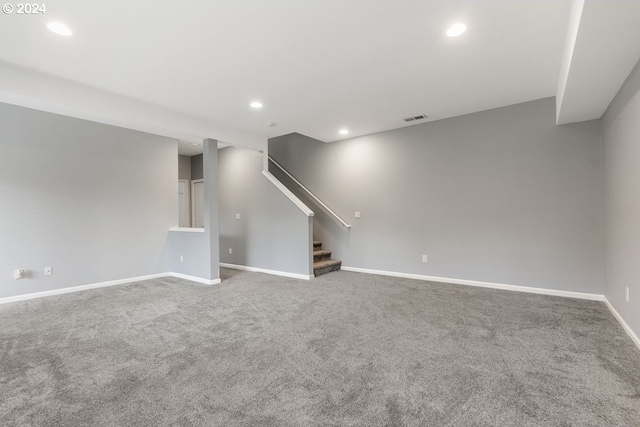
{"x": 230, "y": 250}
{"x": 357, "y": 215}
{"x": 48, "y": 271}
{"x": 181, "y": 258}
{"x": 626, "y": 293}
{"x": 237, "y": 216}
{"x": 424, "y": 258}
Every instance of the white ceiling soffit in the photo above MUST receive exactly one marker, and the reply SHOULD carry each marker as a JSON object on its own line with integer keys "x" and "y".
{"x": 39, "y": 91}
{"x": 602, "y": 47}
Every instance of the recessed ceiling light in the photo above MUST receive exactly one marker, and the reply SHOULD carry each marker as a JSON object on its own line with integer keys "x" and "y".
{"x": 59, "y": 28}
{"x": 343, "y": 131}
{"x": 194, "y": 144}
{"x": 456, "y": 30}
{"x": 256, "y": 104}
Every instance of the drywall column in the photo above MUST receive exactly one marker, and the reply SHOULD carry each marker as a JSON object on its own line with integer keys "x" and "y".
{"x": 211, "y": 196}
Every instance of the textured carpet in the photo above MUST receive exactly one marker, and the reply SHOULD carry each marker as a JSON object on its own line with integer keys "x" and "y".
{"x": 343, "y": 349}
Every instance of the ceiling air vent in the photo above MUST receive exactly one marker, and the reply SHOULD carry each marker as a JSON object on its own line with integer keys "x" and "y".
{"x": 414, "y": 118}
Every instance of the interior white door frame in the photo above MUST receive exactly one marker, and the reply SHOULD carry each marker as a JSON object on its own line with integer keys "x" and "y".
{"x": 193, "y": 200}
{"x": 187, "y": 188}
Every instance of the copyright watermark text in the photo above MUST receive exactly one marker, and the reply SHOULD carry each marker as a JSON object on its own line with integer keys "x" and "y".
{"x": 24, "y": 8}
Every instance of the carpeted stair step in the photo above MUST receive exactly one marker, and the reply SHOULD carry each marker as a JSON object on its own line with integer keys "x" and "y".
{"x": 322, "y": 262}
{"x": 321, "y": 255}
{"x": 326, "y": 266}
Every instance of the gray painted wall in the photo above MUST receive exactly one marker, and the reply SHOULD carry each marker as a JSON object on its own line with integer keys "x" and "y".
{"x": 184, "y": 167}
{"x": 502, "y": 196}
{"x": 194, "y": 249}
{"x": 272, "y": 233}
{"x": 196, "y": 167}
{"x": 621, "y": 152}
{"x": 93, "y": 201}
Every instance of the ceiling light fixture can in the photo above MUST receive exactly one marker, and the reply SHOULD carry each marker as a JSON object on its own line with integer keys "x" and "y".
{"x": 59, "y": 29}
{"x": 456, "y": 29}
{"x": 343, "y": 131}
{"x": 256, "y": 104}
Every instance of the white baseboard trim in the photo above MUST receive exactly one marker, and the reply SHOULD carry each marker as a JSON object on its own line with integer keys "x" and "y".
{"x": 53, "y": 292}
{"x": 195, "y": 279}
{"x": 187, "y": 229}
{"x": 528, "y": 289}
{"x": 264, "y": 270}
{"x": 624, "y": 324}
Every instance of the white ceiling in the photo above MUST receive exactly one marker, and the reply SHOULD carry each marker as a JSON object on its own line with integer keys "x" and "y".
{"x": 186, "y": 148}
{"x": 193, "y": 66}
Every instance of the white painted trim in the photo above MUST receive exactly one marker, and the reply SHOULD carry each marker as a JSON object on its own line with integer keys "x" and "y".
{"x": 284, "y": 190}
{"x": 79, "y": 288}
{"x": 195, "y": 279}
{"x": 187, "y": 229}
{"x": 264, "y": 270}
{"x": 187, "y": 187}
{"x": 624, "y": 324}
{"x": 531, "y": 290}
{"x": 193, "y": 201}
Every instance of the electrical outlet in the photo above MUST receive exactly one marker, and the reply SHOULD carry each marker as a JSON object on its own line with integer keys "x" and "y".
{"x": 48, "y": 271}
{"x": 626, "y": 293}
{"x": 424, "y": 258}
{"x": 18, "y": 274}
{"x": 237, "y": 216}
{"x": 181, "y": 258}
{"x": 356, "y": 215}
{"x": 230, "y": 250}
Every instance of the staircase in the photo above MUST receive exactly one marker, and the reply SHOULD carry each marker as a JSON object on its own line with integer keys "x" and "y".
{"x": 322, "y": 262}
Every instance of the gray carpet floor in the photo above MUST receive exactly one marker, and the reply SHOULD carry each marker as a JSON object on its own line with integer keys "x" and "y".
{"x": 345, "y": 349}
